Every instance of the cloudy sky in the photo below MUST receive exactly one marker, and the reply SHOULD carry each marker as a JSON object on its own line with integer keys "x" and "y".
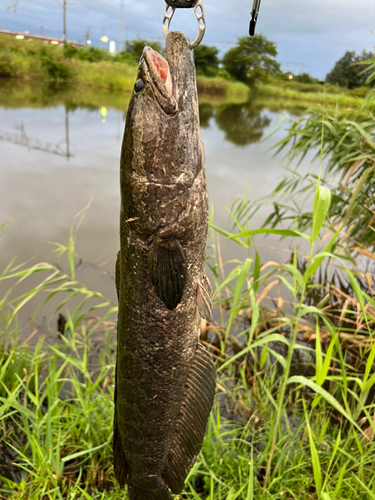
{"x": 313, "y": 32}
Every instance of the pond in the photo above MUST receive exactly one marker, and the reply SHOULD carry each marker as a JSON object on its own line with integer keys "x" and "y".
{"x": 60, "y": 151}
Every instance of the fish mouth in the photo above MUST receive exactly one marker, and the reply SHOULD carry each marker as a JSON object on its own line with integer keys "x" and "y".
{"x": 158, "y": 69}
{"x": 157, "y": 73}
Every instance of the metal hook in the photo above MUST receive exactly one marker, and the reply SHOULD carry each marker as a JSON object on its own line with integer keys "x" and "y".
{"x": 254, "y": 17}
{"x": 199, "y": 14}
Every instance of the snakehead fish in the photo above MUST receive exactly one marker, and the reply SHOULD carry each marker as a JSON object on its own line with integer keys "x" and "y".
{"x": 165, "y": 379}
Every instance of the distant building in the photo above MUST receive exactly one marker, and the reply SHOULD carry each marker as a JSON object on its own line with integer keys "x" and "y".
{"x": 42, "y": 38}
{"x": 112, "y": 47}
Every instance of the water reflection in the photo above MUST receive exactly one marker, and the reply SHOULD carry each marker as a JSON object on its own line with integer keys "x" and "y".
{"x": 206, "y": 112}
{"x": 38, "y": 95}
{"x": 243, "y": 124}
{"x": 21, "y": 138}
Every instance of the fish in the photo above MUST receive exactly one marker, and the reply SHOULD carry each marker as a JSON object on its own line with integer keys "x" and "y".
{"x": 165, "y": 378}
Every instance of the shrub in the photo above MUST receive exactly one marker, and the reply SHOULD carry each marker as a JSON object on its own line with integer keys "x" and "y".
{"x": 70, "y": 51}
{"x": 223, "y": 73}
{"x": 6, "y": 67}
{"x": 56, "y": 69}
{"x": 93, "y": 54}
{"x": 359, "y": 92}
{"x": 305, "y": 78}
{"x": 125, "y": 57}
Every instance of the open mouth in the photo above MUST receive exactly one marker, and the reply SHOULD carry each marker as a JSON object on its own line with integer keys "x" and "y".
{"x": 160, "y": 66}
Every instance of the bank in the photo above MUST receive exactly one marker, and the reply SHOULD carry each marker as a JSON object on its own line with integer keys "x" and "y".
{"x": 34, "y": 60}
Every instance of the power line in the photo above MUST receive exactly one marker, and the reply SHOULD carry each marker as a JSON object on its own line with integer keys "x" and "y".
{"x": 293, "y": 67}
{"x": 42, "y": 28}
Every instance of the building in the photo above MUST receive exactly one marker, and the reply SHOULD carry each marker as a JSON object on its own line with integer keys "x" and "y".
{"x": 42, "y": 38}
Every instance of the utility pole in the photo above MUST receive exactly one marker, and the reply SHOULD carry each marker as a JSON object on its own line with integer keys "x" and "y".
{"x": 88, "y": 37}
{"x": 42, "y": 28}
{"x": 63, "y": 6}
{"x": 121, "y": 24}
{"x": 13, "y": 7}
{"x": 64, "y": 9}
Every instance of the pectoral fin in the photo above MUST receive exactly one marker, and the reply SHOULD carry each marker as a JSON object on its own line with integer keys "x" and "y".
{"x": 191, "y": 425}
{"x": 167, "y": 270}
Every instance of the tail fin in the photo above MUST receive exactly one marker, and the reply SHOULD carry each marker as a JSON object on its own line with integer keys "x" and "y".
{"x": 141, "y": 494}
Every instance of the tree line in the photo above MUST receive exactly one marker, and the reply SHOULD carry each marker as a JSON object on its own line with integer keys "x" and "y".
{"x": 251, "y": 60}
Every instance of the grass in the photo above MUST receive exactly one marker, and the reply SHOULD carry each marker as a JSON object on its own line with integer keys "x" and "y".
{"x": 33, "y": 60}
{"x": 216, "y": 86}
{"x": 291, "y": 419}
{"x": 321, "y": 96}
{"x": 322, "y": 87}
{"x": 272, "y": 433}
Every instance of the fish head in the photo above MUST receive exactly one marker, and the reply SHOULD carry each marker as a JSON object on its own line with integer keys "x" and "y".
{"x": 162, "y": 149}
{"x": 154, "y": 82}
{"x": 167, "y": 80}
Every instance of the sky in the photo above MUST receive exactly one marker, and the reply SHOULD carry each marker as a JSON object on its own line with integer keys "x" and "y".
{"x": 311, "y": 35}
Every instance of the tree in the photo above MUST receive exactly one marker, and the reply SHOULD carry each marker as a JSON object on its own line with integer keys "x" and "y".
{"x": 206, "y": 60}
{"x": 135, "y": 48}
{"x": 305, "y": 78}
{"x": 252, "y": 59}
{"x": 347, "y": 72}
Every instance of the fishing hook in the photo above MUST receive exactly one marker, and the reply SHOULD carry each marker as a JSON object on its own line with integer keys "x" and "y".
{"x": 170, "y": 9}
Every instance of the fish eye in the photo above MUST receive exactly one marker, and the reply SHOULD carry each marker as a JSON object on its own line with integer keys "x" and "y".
{"x": 139, "y": 85}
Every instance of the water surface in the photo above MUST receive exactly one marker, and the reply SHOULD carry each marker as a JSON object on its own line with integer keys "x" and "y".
{"x": 59, "y": 152}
